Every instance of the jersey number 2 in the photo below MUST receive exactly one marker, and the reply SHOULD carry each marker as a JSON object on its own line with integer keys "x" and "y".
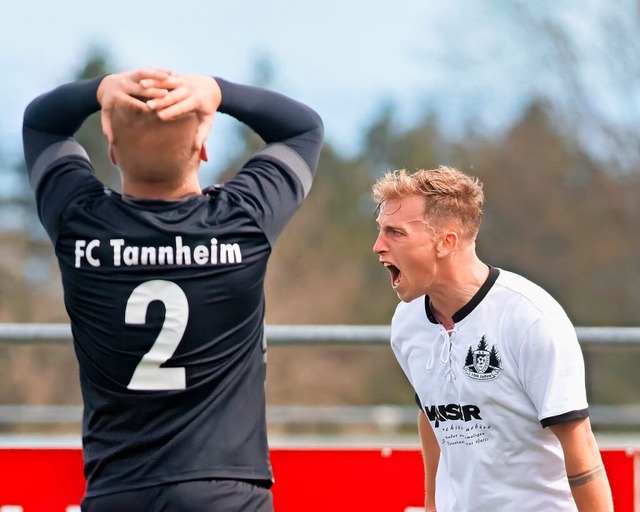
{"x": 148, "y": 375}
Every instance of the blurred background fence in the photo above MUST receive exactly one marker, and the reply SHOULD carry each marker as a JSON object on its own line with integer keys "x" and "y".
{"x": 288, "y": 417}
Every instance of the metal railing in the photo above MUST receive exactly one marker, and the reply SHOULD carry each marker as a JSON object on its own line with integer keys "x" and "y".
{"x": 589, "y": 337}
{"x": 386, "y": 417}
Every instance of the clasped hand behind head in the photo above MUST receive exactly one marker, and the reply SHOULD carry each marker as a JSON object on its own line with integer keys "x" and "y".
{"x": 167, "y": 94}
{"x": 157, "y": 122}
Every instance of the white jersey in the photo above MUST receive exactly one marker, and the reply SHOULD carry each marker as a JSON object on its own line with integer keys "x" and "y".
{"x": 511, "y": 366}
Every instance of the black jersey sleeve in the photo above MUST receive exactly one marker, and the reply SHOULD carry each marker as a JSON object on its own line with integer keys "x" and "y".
{"x": 50, "y": 121}
{"x": 54, "y": 117}
{"x": 275, "y": 181}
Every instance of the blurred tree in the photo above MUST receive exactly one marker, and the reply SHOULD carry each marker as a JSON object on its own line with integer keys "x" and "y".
{"x": 25, "y": 253}
{"x": 593, "y": 63}
{"x": 319, "y": 268}
{"x": 485, "y": 66}
{"x": 567, "y": 221}
{"x": 556, "y": 214}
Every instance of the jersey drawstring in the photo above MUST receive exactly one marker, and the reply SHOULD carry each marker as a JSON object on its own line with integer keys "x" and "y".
{"x": 445, "y": 352}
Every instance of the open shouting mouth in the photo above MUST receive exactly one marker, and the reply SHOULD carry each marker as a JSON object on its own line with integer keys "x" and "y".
{"x": 396, "y": 275}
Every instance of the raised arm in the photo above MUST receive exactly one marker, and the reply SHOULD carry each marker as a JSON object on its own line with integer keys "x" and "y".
{"x": 274, "y": 117}
{"x": 53, "y": 118}
{"x": 275, "y": 180}
{"x": 586, "y": 474}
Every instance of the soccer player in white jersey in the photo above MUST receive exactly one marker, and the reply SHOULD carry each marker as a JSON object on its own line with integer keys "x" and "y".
{"x": 494, "y": 360}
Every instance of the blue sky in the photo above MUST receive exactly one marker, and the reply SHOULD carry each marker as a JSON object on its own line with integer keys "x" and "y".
{"x": 459, "y": 59}
{"x": 339, "y": 56}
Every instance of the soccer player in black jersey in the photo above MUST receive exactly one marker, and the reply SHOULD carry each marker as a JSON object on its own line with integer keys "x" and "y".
{"x": 163, "y": 283}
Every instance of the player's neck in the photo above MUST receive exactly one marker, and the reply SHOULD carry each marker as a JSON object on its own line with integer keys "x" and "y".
{"x": 457, "y": 288}
{"x": 445, "y": 321}
{"x": 165, "y": 191}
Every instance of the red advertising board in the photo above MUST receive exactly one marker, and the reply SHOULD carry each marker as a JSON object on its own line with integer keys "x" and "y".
{"x": 313, "y": 480}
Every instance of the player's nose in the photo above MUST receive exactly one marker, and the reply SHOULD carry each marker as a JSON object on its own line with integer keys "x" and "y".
{"x": 380, "y": 245}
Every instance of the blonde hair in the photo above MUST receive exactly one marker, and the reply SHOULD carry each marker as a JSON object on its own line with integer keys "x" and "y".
{"x": 449, "y": 196}
{"x": 152, "y": 150}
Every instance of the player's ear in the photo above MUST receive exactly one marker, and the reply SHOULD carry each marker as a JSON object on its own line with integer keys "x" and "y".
{"x": 203, "y": 153}
{"x": 112, "y": 155}
{"x": 447, "y": 244}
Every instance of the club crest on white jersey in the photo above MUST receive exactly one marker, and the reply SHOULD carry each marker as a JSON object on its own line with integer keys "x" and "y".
{"x": 483, "y": 363}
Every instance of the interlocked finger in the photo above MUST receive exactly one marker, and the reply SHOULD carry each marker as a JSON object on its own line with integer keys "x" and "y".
{"x": 175, "y": 103}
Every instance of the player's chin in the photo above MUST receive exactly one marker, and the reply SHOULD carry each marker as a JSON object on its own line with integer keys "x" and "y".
{"x": 406, "y": 294}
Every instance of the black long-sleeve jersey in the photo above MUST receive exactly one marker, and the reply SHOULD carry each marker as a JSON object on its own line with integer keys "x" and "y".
{"x": 166, "y": 298}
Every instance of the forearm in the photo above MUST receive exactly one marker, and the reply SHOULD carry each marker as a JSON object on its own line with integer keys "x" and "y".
{"x": 588, "y": 479}
{"x": 274, "y": 117}
{"x": 585, "y": 471}
{"x": 57, "y": 115}
{"x": 430, "y": 496}
{"x": 431, "y": 458}
{"x": 591, "y": 491}
{"x": 63, "y": 110}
